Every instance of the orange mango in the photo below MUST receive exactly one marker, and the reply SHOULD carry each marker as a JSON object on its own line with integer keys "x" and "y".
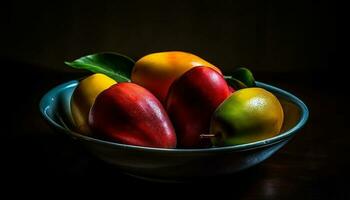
{"x": 157, "y": 71}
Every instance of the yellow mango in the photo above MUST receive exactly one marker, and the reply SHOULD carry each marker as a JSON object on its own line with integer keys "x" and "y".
{"x": 84, "y": 97}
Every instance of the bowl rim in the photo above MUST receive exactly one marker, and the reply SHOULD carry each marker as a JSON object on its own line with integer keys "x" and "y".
{"x": 48, "y": 98}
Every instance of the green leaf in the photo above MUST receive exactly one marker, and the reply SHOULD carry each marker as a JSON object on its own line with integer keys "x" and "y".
{"x": 235, "y": 83}
{"x": 245, "y": 76}
{"x": 116, "y": 66}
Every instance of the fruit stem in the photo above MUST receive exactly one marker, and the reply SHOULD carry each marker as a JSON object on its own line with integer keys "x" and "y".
{"x": 207, "y": 135}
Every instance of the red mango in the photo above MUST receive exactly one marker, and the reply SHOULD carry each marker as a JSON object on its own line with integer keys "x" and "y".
{"x": 130, "y": 114}
{"x": 191, "y": 101}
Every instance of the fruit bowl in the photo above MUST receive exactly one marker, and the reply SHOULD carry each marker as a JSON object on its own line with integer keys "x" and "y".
{"x": 175, "y": 164}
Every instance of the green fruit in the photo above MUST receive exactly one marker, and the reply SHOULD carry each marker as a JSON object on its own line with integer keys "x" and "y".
{"x": 248, "y": 115}
{"x": 245, "y": 76}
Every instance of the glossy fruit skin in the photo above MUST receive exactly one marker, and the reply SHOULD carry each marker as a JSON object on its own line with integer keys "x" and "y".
{"x": 248, "y": 115}
{"x": 157, "y": 71}
{"x": 84, "y": 97}
{"x": 128, "y": 113}
{"x": 191, "y": 101}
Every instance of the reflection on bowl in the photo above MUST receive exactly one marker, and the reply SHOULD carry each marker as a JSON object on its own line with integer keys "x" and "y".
{"x": 175, "y": 164}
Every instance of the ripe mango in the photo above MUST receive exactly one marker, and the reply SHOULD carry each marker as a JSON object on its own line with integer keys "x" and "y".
{"x": 157, "y": 71}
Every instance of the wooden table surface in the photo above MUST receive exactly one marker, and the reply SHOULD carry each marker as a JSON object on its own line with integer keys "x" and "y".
{"x": 313, "y": 165}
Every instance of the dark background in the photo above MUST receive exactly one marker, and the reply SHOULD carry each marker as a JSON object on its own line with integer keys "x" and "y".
{"x": 291, "y": 44}
{"x": 262, "y": 35}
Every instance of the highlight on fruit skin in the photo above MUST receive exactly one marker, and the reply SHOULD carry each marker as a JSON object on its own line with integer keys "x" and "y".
{"x": 84, "y": 97}
{"x": 247, "y": 115}
{"x": 157, "y": 71}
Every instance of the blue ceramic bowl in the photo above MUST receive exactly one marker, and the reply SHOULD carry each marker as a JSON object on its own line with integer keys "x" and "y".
{"x": 176, "y": 164}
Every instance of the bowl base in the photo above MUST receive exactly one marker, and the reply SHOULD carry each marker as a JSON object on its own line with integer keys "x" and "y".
{"x": 153, "y": 179}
